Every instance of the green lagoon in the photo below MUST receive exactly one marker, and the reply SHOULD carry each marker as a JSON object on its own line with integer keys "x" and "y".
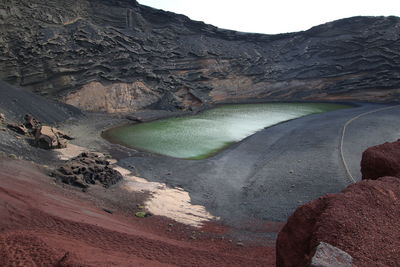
{"x": 203, "y": 135}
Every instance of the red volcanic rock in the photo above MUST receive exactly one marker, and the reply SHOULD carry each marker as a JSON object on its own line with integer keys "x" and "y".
{"x": 381, "y": 160}
{"x": 362, "y": 220}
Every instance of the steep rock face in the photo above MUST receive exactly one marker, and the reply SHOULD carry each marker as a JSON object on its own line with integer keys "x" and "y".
{"x": 362, "y": 220}
{"x": 60, "y": 48}
{"x": 116, "y": 97}
{"x": 381, "y": 160}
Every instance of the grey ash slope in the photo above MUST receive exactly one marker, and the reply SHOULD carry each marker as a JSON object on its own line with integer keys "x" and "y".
{"x": 58, "y": 47}
{"x": 16, "y": 102}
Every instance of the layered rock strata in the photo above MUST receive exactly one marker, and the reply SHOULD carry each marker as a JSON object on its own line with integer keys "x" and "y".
{"x": 128, "y": 56}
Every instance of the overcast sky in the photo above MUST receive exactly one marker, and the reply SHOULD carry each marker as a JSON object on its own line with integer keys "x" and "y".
{"x": 274, "y": 16}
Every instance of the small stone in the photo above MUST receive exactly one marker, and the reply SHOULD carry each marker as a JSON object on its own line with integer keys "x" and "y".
{"x": 108, "y": 211}
{"x": 240, "y": 244}
{"x": 327, "y": 255}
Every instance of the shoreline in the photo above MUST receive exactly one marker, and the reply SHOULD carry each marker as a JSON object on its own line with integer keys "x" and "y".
{"x": 105, "y": 134}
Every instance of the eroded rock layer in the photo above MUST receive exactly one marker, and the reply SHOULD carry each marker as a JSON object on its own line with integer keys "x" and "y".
{"x": 130, "y": 56}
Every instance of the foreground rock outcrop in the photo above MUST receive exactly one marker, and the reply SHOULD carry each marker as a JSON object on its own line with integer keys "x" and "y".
{"x": 45, "y": 137}
{"x": 381, "y": 160}
{"x": 87, "y": 169}
{"x": 130, "y": 56}
{"x": 362, "y": 220}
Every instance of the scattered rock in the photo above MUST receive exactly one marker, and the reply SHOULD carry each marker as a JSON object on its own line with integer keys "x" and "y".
{"x": 2, "y": 118}
{"x": 18, "y": 128}
{"x": 362, "y": 220}
{"x": 327, "y": 255}
{"x": 87, "y": 169}
{"x": 381, "y": 160}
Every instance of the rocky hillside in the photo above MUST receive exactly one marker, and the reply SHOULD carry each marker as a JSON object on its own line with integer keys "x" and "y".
{"x": 119, "y": 56}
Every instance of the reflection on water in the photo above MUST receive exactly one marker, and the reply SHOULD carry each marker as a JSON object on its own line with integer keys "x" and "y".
{"x": 202, "y": 135}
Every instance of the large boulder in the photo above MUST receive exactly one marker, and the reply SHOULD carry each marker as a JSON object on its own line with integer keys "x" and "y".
{"x": 362, "y": 220}
{"x": 87, "y": 169}
{"x": 381, "y": 160}
{"x": 2, "y": 118}
{"x": 49, "y": 138}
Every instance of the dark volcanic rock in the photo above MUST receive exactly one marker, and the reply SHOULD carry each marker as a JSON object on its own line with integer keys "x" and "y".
{"x": 119, "y": 56}
{"x": 362, "y": 220}
{"x": 381, "y": 160}
{"x": 30, "y": 122}
{"x": 87, "y": 169}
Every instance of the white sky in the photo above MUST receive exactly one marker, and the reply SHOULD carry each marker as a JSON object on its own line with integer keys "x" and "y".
{"x": 274, "y": 16}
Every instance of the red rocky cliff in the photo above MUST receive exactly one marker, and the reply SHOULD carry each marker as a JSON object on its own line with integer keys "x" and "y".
{"x": 362, "y": 220}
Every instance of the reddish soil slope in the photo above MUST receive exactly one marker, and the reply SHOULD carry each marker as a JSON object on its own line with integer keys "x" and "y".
{"x": 44, "y": 224}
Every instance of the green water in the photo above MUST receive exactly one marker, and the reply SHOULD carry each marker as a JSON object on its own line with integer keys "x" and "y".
{"x": 203, "y": 135}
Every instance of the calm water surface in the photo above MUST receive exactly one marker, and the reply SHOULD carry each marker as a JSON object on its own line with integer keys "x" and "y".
{"x": 202, "y": 135}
